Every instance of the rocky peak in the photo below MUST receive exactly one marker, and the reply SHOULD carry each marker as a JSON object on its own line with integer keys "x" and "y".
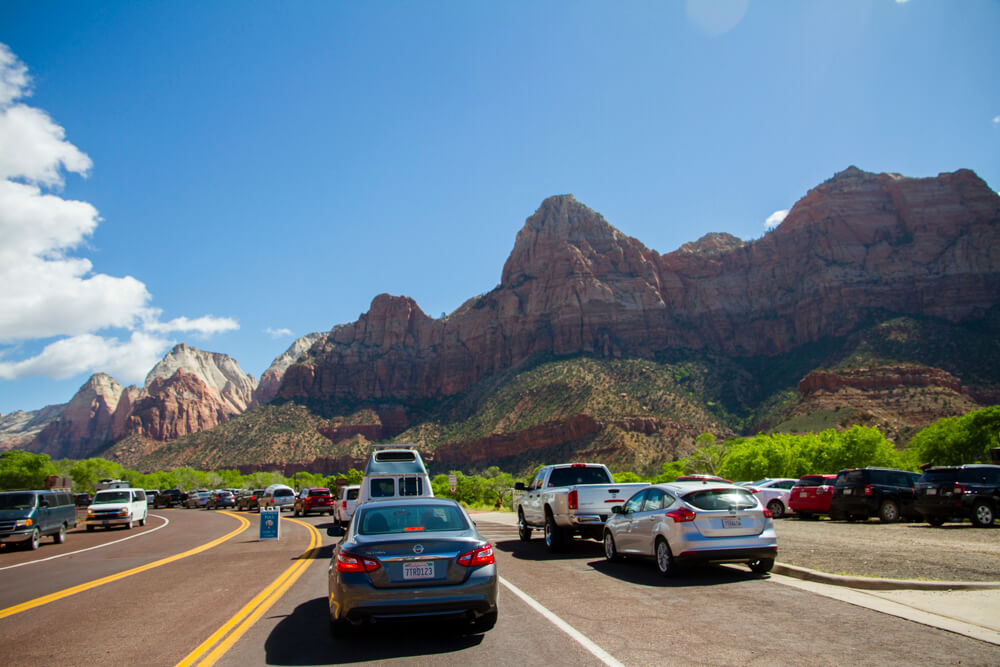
{"x": 713, "y": 243}
{"x": 86, "y": 423}
{"x": 218, "y": 371}
{"x": 270, "y": 380}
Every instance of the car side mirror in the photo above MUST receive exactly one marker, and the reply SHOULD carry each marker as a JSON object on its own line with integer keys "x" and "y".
{"x": 519, "y": 486}
{"x": 336, "y": 530}
{"x": 618, "y": 509}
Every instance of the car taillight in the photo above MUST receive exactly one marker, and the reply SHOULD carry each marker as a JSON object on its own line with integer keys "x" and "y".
{"x": 958, "y": 490}
{"x": 868, "y": 489}
{"x": 767, "y": 514}
{"x": 682, "y": 515}
{"x": 347, "y": 562}
{"x": 481, "y": 556}
{"x": 573, "y": 500}
{"x": 822, "y": 489}
{"x": 344, "y": 505}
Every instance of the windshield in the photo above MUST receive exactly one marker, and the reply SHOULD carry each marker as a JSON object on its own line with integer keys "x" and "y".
{"x": 410, "y": 519}
{"x": 319, "y": 492}
{"x": 112, "y": 497}
{"x": 721, "y": 499}
{"x": 813, "y": 480}
{"x": 17, "y": 501}
{"x": 935, "y": 476}
{"x": 574, "y": 476}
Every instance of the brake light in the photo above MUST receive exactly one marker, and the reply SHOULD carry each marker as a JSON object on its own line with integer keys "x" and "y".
{"x": 767, "y": 514}
{"x": 347, "y": 562}
{"x": 481, "y": 556}
{"x": 344, "y": 505}
{"x": 681, "y": 515}
{"x": 868, "y": 489}
{"x": 573, "y": 500}
{"x": 958, "y": 490}
{"x": 578, "y": 465}
{"x": 753, "y": 490}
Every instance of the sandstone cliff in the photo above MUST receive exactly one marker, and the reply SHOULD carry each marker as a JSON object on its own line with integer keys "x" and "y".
{"x": 270, "y": 380}
{"x": 19, "y": 428}
{"x": 219, "y": 372}
{"x": 86, "y": 422}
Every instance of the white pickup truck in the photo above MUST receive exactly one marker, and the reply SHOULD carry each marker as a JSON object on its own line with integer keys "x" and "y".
{"x": 569, "y": 499}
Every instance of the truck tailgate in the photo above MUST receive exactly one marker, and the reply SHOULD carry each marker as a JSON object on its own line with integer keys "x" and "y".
{"x": 600, "y": 498}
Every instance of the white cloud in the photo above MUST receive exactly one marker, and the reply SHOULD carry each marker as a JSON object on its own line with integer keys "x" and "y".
{"x": 48, "y": 294}
{"x": 775, "y": 219}
{"x": 996, "y": 120}
{"x": 278, "y": 333}
{"x": 716, "y": 17}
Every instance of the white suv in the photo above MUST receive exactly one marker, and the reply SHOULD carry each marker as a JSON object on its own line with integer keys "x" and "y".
{"x": 348, "y": 502}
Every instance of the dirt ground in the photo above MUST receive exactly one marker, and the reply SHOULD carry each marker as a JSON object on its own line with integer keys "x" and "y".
{"x": 953, "y": 552}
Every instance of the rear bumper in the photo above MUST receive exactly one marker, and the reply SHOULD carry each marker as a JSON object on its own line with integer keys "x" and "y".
{"x": 738, "y": 555}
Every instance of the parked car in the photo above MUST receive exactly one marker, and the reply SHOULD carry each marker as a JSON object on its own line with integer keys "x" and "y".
{"x": 959, "y": 492}
{"x": 866, "y": 492}
{"x": 773, "y": 494}
{"x": 313, "y": 500}
{"x": 702, "y": 478}
{"x": 83, "y": 499}
{"x": 28, "y": 516}
{"x": 277, "y": 495}
{"x": 345, "y": 506}
{"x": 151, "y": 496}
{"x": 117, "y": 507}
{"x": 681, "y": 522}
{"x": 811, "y": 495}
{"x": 197, "y": 499}
{"x": 217, "y": 499}
{"x": 411, "y": 558}
{"x": 170, "y": 498}
{"x": 249, "y": 500}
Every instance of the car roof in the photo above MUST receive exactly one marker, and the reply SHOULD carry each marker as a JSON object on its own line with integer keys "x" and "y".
{"x": 411, "y": 500}
{"x": 688, "y": 486}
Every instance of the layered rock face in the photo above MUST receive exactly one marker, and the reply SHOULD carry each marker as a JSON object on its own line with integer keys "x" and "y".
{"x": 85, "y": 424}
{"x": 217, "y": 371}
{"x": 267, "y": 388}
{"x": 175, "y": 406}
{"x": 858, "y": 247}
{"x": 19, "y": 428}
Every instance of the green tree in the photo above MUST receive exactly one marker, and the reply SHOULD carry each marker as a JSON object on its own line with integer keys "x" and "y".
{"x": 707, "y": 457}
{"x": 24, "y": 470}
{"x": 670, "y": 471}
{"x": 87, "y": 472}
{"x": 958, "y": 440}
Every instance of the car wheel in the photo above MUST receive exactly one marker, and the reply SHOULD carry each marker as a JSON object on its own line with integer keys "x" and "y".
{"x": 128, "y": 525}
{"x": 664, "y": 559}
{"x": 340, "y": 629}
{"x": 553, "y": 535}
{"x": 761, "y": 565}
{"x": 485, "y": 622}
{"x": 888, "y": 512}
{"x": 777, "y": 509}
{"x": 982, "y": 514}
{"x": 142, "y": 521}
{"x": 610, "y": 550}
{"x": 60, "y": 535}
{"x": 935, "y": 520}
{"x": 36, "y": 539}
{"x": 523, "y": 529}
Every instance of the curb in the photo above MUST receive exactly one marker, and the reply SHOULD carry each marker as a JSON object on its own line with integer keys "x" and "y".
{"x": 873, "y": 584}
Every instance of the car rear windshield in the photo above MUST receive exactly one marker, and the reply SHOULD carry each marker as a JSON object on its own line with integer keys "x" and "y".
{"x": 410, "y": 519}
{"x": 352, "y": 494}
{"x": 936, "y": 476}
{"x": 283, "y": 492}
{"x": 574, "y": 476}
{"x": 721, "y": 499}
{"x": 112, "y": 497}
{"x": 851, "y": 478}
{"x": 319, "y": 492}
{"x": 16, "y": 501}
{"x": 812, "y": 480}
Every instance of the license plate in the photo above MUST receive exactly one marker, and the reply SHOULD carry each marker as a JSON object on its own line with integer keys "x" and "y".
{"x": 105, "y": 523}
{"x": 803, "y": 494}
{"x": 847, "y": 492}
{"x": 931, "y": 492}
{"x": 418, "y": 570}
{"x": 731, "y": 522}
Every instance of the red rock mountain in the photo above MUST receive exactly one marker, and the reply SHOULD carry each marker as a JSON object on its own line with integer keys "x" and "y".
{"x": 859, "y": 247}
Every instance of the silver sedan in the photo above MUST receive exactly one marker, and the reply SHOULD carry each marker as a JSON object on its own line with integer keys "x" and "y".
{"x": 411, "y": 559}
{"x": 693, "y": 522}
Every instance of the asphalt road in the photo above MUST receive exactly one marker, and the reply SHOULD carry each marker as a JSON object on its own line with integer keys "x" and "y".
{"x": 174, "y": 598}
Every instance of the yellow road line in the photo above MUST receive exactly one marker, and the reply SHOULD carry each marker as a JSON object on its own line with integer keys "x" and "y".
{"x": 67, "y": 592}
{"x": 244, "y": 619}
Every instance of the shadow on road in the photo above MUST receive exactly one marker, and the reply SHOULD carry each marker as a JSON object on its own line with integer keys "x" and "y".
{"x": 536, "y": 550}
{"x": 302, "y": 638}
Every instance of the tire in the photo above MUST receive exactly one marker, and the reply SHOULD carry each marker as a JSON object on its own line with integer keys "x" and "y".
{"x": 664, "y": 559}
{"x": 553, "y": 535}
{"x": 523, "y": 529}
{"x": 777, "y": 508}
{"x": 982, "y": 514}
{"x": 888, "y": 512}
{"x": 60, "y": 535}
{"x": 935, "y": 520}
{"x": 761, "y": 565}
{"x": 36, "y": 539}
{"x": 485, "y": 622}
{"x": 610, "y": 549}
{"x": 128, "y": 526}
{"x": 142, "y": 521}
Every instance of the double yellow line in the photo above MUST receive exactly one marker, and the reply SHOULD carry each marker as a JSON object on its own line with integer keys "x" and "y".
{"x": 223, "y": 638}
{"x": 67, "y": 592}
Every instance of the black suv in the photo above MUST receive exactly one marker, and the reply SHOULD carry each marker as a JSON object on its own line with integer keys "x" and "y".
{"x": 958, "y": 492}
{"x": 169, "y": 498}
{"x": 883, "y": 492}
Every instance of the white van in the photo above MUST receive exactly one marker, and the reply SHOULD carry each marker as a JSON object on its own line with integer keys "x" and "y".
{"x": 117, "y": 507}
{"x": 394, "y": 471}
{"x": 344, "y": 509}
{"x": 281, "y": 496}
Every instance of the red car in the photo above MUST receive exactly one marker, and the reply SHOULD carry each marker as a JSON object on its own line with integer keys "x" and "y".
{"x": 811, "y": 495}
{"x": 313, "y": 500}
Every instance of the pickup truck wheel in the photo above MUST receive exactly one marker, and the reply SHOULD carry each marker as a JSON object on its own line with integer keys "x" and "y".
{"x": 60, "y": 535}
{"x": 610, "y": 550}
{"x": 888, "y": 512}
{"x": 982, "y": 514}
{"x": 777, "y": 509}
{"x": 36, "y": 539}
{"x": 523, "y": 529}
{"x": 664, "y": 559}
{"x": 553, "y": 535}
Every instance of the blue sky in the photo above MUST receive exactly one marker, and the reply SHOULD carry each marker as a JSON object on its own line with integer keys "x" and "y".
{"x": 237, "y": 174}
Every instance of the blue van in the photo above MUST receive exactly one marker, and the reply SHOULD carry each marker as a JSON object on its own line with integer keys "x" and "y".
{"x": 27, "y": 516}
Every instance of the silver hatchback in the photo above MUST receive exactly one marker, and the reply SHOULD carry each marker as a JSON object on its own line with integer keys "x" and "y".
{"x": 704, "y": 522}
{"x": 411, "y": 559}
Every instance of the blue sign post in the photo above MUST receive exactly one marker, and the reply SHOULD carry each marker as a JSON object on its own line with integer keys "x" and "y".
{"x": 270, "y": 523}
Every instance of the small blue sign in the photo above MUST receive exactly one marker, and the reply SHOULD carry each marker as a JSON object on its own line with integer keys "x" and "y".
{"x": 270, "y": 523}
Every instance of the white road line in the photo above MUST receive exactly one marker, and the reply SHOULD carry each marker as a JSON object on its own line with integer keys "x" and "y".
{"x": 596, "y": 650}
{"x": 99, "y": 546}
